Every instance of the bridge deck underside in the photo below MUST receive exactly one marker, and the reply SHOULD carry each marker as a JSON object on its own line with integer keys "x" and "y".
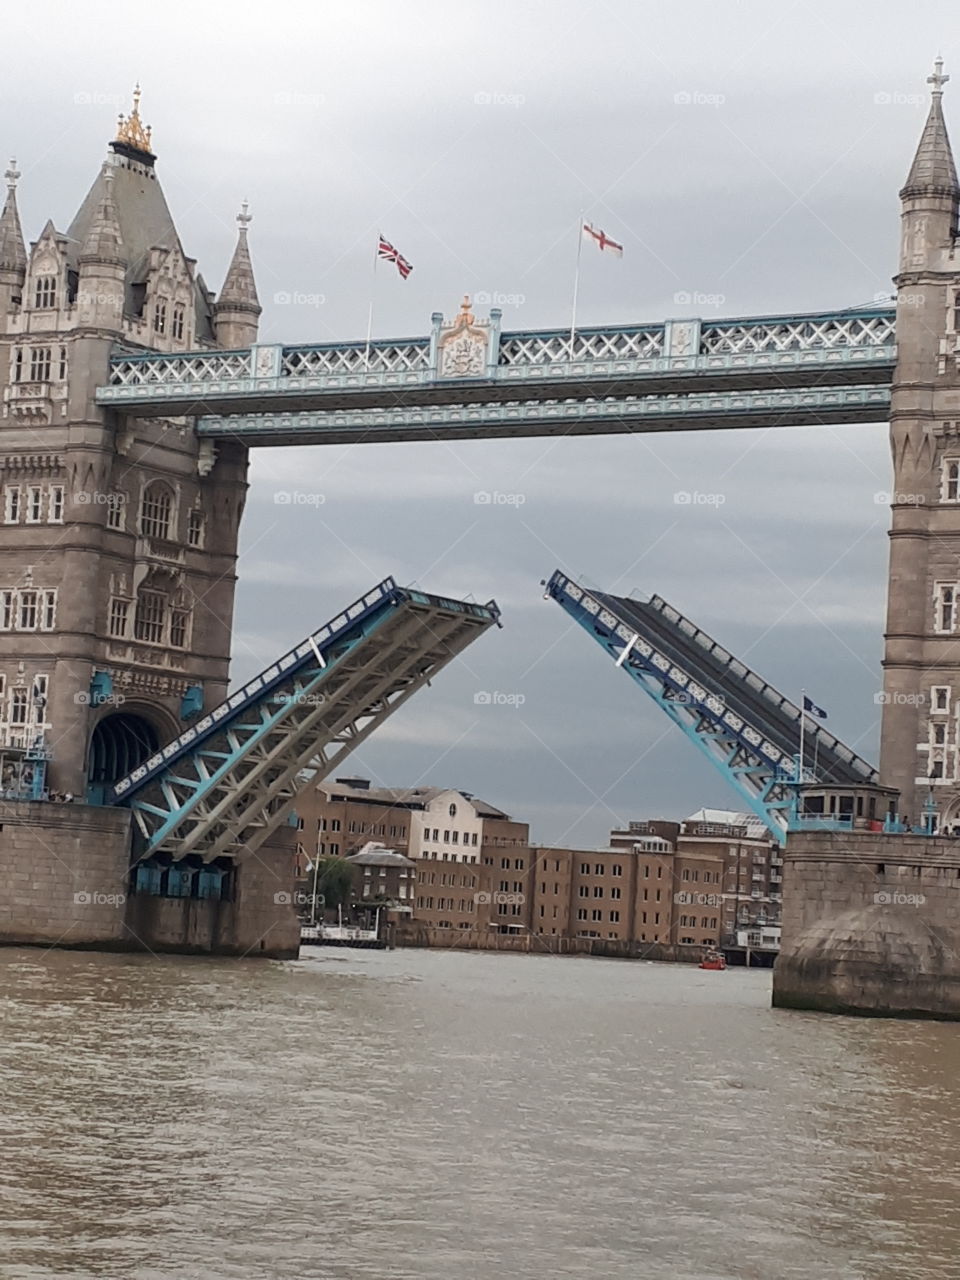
{"x": 747, "y": 694}
{"x": 747, "y": 730}
{"x": 708, "y": 412}
{"x": 228, "y": 790}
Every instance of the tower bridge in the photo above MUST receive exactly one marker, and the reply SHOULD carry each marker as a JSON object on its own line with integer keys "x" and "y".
{"x": 130, "y": 394}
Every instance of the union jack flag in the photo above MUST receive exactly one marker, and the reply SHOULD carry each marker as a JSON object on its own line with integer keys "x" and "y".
{"x": 602, "y": 240}
{"x": 387, "y": 251}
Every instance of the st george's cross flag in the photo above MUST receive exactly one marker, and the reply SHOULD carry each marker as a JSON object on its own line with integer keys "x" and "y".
{"x": 602, "y": 240}
{"x": 386, "y": 250}
{"x": 812, "y": 709}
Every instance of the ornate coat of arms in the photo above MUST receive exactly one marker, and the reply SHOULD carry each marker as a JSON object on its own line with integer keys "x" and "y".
{"x": 462, "y": 346}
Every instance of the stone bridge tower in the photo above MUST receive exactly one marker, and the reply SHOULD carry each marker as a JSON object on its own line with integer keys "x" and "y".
{"x": 119, "y": 543}
{"x": 920, "y": 751}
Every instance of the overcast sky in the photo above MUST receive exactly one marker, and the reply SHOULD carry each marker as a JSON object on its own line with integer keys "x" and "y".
{"x": 748, "y": 152}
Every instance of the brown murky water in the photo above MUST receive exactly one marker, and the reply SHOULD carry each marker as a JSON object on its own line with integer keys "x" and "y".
{"x": 419, "y": 1116}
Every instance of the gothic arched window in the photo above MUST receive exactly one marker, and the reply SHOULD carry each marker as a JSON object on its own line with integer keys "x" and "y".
{"x": 160, "y": 317}
{"x": 46, "y": 293}
{"x": 156, "y": 510}
{"x": 176, "y": 328}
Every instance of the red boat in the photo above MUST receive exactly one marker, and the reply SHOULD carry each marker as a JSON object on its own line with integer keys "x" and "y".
{"x": 713, "y": 960}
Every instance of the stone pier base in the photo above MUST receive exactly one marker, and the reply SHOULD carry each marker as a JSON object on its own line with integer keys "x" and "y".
{"x": 65, "y": 882}
{"x": 871, "y": 925}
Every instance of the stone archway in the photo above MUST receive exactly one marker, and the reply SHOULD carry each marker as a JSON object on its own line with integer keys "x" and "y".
{"x": 119, "y": 742}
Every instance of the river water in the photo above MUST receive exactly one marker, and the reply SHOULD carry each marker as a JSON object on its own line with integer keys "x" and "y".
{"x": 424, "y": 1115}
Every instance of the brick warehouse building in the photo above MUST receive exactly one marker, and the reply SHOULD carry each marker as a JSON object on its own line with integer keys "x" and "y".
{"x": 663, "y": 889}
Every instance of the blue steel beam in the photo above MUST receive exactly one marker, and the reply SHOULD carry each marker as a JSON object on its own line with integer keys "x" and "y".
{"x": 844, "y": 348}
{"x": 224, "y": 785}
{"x": 747, "y": 747}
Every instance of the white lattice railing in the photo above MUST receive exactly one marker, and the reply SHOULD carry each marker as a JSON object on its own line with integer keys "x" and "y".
{"x": 605, "y": 344}
{"x": 853, "y": 336}
{"x": 214, "y": 366}
{"x": 811, "y": 333}
{"x": 312, "y": 362}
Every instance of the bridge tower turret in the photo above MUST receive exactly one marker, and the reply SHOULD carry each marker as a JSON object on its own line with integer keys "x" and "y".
{"x": 13, "y": 253}
{"x": 117, "y": 563}
{"x": 238, "y": 307}
{"x": 920, "y": 746}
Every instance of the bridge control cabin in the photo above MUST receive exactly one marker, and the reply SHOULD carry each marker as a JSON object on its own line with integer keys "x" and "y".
{"x": 866, "y": 807}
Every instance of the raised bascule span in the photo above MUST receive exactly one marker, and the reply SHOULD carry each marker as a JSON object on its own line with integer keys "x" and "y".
{"x": 223, "y": 786}
{"x": 470, "y": 380}
{"x": 745, "y": 727}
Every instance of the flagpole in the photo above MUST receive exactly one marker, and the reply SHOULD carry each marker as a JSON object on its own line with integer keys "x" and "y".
{"x": 576, "y": 283}
{"x": 373, "y": 289}
{"x": 803, "y": 699}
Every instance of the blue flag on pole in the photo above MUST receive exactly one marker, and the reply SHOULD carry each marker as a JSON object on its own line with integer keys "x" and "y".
{"x": 813, "y": 709}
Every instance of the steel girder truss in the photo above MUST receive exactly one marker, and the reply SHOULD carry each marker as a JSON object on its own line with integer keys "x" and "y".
{"x": 229, "y": 790}
{"x": 759, "y": 771}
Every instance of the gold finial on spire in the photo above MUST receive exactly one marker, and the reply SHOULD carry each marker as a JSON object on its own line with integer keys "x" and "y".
{"x": 12, "y": 174}
{"x": 243, "y": 217}
{"x": 132, "y": 130}
{"x": 938, "y": 79}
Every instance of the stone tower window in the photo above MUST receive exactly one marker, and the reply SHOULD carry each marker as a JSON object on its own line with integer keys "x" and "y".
{"x": 940, "y": 698}
{"x": 950, "y": 481}
{"x": 176, "y": 327}
{"x": 18, "y": 365}
{"x": 27, "y": 611}
{"x": 178, "y": 628}
{"x": 195, "y": 528}
{"x": 119, "y": 611}
{"x": 150, "y": 616}
{"x": 946, "y": 607}
{"x": 56, "y": 504}
{"x": 156, "y": 510}
{"x": 40, "y": 363}
{"x": 63, "y": 363}
{"x": 19, "y": 705}
{"x": 34, "y": 504}
{"x": 115, "y": 511}
{"x": 11, "y": 504}
{"x": 160, "y": 317}
{"x": 46, "y": 292}
{"x": 48, "y": 617}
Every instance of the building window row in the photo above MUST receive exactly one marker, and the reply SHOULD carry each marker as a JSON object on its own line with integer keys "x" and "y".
{"x": 177, "y": 319}
{"x": 155, "y": 621}
{"x": 39, "y": 364}
{"x": 450, "y": 837}
{"x": 28, "y": 609}
{"x": 33, "y": 504}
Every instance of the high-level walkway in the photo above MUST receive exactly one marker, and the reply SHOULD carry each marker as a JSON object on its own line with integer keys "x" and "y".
{"x": 229, "y": 781}
{"x": 746, "y": 728}
{"x": 678, "y": 374}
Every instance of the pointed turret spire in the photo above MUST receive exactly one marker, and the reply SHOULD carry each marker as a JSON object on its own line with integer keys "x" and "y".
{"x": 238, "y": 307}
{"x": 933, "y": 171}
{"x": 240, "y": 287}
{"x": 104, "y": 241}
{"x": 13, "y": 252}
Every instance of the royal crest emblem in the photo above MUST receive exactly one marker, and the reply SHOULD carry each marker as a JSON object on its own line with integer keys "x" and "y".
{"x": 462, "y": 346}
